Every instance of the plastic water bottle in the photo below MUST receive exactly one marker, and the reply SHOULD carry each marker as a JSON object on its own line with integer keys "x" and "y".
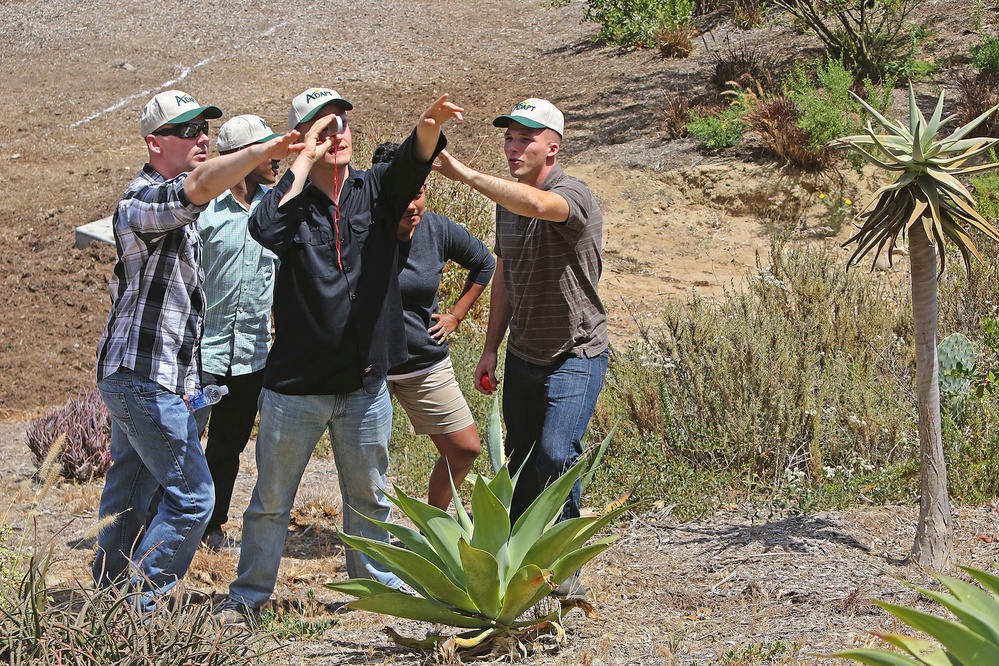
{"x": 208, "y": 395}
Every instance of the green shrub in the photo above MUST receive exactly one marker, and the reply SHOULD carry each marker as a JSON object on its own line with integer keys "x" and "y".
{"x": 987, "y": 193}
{"x": 985, "y": 55}
{"x": 788, "y": 373}
{"x": 826, "y": 109}
{"x": 868, "y": 36}
{"x": 635, "y": 22}
{"x": 716, "y": 131}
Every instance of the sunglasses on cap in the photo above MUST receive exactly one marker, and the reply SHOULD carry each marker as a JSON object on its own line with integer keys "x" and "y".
{"x": 184, "y": 130}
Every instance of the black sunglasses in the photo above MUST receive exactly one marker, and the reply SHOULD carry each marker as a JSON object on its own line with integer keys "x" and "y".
{"x": 185, "y": 130}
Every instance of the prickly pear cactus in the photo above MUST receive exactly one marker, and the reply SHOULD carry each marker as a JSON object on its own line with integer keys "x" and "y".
{"x": 956, "y": 352}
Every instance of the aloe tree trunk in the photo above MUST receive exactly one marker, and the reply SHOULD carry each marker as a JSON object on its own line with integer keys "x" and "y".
{"x": 934, "y": 533}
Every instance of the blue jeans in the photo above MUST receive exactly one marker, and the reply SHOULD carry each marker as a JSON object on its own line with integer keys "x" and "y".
{"x": 290, "y": 427}
{"x": 154, "y": 442}
{"x": 546, "y": 409}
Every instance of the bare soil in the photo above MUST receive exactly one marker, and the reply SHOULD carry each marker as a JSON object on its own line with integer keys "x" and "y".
{"x": 74, "y": 76}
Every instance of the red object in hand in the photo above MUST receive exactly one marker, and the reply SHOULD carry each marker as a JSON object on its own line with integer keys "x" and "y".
{"x": 486, "y": 384}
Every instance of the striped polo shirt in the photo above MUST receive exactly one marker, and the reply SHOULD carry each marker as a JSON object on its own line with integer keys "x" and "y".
{"x": 551, "y": 270}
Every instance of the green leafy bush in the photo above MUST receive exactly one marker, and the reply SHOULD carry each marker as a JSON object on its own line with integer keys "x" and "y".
{"x": 826, "y": 109}
{"x": 868, "y": 36}
{"x": 786, "y": 373}
{"x": 635, "y": 22}
{"x": 716, "y": 131}
{"x": 985, "y": 55}
{"x": 987, "y": 193}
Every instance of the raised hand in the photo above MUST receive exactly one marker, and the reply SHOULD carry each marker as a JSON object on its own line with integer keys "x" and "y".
{"x": 440, "y": 112}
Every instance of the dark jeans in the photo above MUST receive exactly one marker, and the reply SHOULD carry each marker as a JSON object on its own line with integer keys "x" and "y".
{"x": 231, "y": 420}
{"x": 546, "y": 409}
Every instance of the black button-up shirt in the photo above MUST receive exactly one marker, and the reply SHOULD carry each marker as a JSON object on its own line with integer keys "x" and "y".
{"x": 338, "y": 323}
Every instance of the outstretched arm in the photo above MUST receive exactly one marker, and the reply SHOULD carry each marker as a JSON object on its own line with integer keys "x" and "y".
{"x": 213, "y": 177}
{"x": 516, "y": 197}
{"x": 428, "y": 128}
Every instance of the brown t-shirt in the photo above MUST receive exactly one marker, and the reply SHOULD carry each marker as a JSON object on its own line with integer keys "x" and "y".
{"x": 551, "y": 270}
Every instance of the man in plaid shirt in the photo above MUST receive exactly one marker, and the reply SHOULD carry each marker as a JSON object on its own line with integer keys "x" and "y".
{"x": 149, "y": 355}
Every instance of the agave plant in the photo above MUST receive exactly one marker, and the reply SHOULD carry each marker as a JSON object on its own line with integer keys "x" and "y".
{"x": 483, "y": 574}
{"x": 971, "y": 639}
{"x": 928, "y": 203}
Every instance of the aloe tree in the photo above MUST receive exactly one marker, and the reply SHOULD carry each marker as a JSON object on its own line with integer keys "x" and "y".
{"x": 928, "y": 203}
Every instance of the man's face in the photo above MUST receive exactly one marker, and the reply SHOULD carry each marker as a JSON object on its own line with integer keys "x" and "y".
{"x": 413, "y": 215}
{"x": 179, "y": 155}
{"x": 266, "y": 173}
{"x": 527, "y": 150}
{"x": 343, "y": 146}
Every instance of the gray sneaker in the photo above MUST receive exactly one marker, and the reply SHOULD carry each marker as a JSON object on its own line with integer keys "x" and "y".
{"x": 572, "y": 589}
{"x": 232, "y": 613}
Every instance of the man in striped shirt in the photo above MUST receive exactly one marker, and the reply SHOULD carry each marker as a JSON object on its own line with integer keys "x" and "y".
{"x": 548, "y": 240}
{"x": 148, "y": 358}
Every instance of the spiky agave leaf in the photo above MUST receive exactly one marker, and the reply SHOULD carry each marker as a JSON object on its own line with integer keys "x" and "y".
{"x": 484, "y": 574}
{"x": 971, "y": 639}
{"x": 927, "y": 189}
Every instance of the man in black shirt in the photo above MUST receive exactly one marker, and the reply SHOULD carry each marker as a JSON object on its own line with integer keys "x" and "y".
{"x": 338, "y": 328}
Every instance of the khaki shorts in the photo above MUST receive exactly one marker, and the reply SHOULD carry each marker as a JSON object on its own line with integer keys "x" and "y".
{"x": 434, "y": 401}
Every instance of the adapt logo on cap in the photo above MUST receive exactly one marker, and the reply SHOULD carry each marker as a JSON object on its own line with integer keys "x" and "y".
{"x": 318, "y": 94}
{"x": 183, "y": 98}
{"x": 524, "y": 107}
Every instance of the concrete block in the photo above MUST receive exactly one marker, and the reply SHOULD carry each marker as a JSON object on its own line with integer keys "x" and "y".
{"x": 96, "y": 231}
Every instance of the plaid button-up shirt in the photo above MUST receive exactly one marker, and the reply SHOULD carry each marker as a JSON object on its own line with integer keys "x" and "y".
{"x": 156, "y": 320}
{"x": 239, "y": 288}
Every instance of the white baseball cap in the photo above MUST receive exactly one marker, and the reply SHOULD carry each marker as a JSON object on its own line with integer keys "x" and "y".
{"x": 306, "y": 105}
{"x": 243, "y": 130}
{"x": 536, "y": 113}
{"x": 172, "y": 107}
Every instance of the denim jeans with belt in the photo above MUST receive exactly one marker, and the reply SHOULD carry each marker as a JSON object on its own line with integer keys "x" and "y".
{"x": 154, "y": 442}
{"x": 546, "y": 409}
{"x": 290, "y": 427}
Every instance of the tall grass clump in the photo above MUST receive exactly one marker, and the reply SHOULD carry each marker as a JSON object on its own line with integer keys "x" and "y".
{"x": 800, "y": 376}
{"x": 44, "y": 623}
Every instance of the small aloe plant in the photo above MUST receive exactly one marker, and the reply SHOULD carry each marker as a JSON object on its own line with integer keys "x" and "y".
{"x": 973, "y": 638}
{"x": 483, "y": 574}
